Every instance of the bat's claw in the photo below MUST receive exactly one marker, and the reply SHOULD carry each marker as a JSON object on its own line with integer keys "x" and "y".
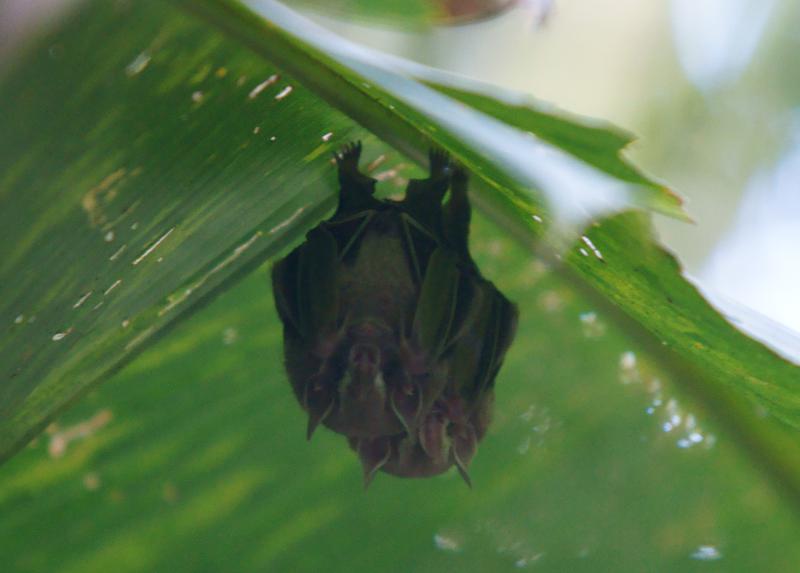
{"x": 347, "y": 157}
{"x": 439, "y": 162}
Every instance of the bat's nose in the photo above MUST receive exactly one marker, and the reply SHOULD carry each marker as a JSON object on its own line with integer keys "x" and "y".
{"x": 365, "y": 359}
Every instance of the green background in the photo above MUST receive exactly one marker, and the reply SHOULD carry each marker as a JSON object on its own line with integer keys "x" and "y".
{"x": 204, "y": 466}
{"x": 193, "y": 456}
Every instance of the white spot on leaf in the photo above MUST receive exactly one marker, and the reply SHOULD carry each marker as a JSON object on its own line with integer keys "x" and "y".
{"x": 138, "y": 64}
{"x": 284, "y": 92}
{"x": 152, "y": 247}
{"x": 262, "y": 86}
{"x": 81, "y": 300}
{"x": 114, "y": 285}
{"x": 62, "y": 335}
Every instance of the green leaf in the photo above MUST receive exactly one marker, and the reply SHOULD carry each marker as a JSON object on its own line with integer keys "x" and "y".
{"x": 413, "y": 13}
{"x": 411, "y": 116}
{"x": 136, "y": 182}
{"x": 408, "y": 13}
{"x": 155, "y": 143}
{"x": 194, "y": 458}
{"x": 598, "y": 144}
{"x": 754, "y": 392}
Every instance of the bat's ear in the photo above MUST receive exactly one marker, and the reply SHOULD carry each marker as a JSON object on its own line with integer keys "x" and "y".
{"x": 465, "y": 444}
{"x": 373, "y": 453}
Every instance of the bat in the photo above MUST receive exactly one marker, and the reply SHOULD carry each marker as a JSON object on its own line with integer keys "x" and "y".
{"x": 392, "y": 337}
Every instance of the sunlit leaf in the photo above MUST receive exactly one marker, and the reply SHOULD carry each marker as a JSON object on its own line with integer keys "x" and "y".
{"x": 202, "y": 160}
{"x": 409, "y": 13}
{"x": 194, "y": 458}
{"x": 600, "y": 145}
{"x": 752, "y": 390}
{"x": 135, "y": 181}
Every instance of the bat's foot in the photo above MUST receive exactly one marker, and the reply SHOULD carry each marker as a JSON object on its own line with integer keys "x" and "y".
{"x": 439, "y": 161}
{"x": 347, "y": 157}
{"x": 355, "y": 188}
{"x": 458, "y": 176}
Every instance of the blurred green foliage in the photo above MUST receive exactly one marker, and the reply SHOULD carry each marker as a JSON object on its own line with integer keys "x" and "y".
{"x": 141, "y": 180}
{"x": 202, "y": 464}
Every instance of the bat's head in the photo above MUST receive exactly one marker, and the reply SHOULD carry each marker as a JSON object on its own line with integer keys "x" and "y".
{"x": 364, "y": 381}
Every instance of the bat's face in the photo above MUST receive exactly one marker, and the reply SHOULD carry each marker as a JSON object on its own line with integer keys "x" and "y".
{"x": 391, "y": 336}
{"x": 365, "y": 380}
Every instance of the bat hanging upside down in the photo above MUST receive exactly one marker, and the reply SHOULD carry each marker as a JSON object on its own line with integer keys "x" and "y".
{"x": 391, "y": 335}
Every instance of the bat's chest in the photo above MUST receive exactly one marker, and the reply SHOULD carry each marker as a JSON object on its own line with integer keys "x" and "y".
{"x": 377, "y": 282}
